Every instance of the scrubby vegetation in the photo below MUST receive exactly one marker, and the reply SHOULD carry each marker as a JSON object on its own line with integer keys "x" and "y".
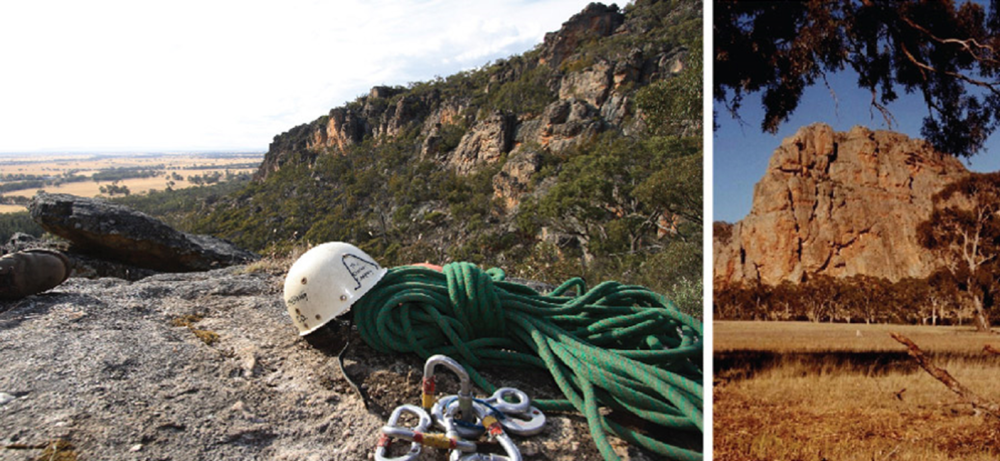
{"x": 11, "y": 223}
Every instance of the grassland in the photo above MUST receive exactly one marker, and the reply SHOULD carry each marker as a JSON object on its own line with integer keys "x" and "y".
{"x": 802, "y": 391}
{"x": 183, "y": 165}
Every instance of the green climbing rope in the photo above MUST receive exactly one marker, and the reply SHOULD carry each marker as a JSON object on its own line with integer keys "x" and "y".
{"x": 616, "y": 346}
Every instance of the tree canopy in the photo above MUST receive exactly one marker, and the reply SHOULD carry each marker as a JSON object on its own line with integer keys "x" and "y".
{"x": 943, "y": 51}
{"x": 964, "y": 231}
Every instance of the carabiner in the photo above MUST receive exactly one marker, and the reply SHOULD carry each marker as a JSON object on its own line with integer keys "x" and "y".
{"x": 512, "y": 453}
{"x": 385, "y": 439}
{"x": 464, "y": 390}
{"x": 436, "y": 440}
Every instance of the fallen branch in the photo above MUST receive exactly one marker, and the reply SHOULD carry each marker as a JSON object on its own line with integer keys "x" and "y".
{"x": 991, "y": 350}
{"x": 991, "y": 408}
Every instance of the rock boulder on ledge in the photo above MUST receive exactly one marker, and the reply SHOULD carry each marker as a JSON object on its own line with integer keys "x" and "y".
{"x": 115, "y": 232}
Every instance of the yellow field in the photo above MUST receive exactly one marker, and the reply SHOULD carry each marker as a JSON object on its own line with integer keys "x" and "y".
{"x": 800, "y": 391}
{"x": 85, "y": 165}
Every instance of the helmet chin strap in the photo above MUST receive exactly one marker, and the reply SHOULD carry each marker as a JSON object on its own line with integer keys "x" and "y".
{"x": 370, "y": 405}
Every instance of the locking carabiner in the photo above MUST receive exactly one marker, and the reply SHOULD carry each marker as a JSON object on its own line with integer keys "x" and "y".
{"x": 464, "y": 390}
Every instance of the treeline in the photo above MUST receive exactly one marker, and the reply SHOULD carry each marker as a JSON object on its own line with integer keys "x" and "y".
{"x": 122, "y": 173}
{"x": 234, "y": 166}
{"x": 864, "y": 299}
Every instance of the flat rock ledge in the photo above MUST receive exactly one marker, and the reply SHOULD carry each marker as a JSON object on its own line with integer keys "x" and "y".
{"x": 110, "y": 366}
{"x": 115, "y": 232}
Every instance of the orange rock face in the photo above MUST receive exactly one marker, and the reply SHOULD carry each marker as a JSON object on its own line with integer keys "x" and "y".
{"x": 838, "y": 204}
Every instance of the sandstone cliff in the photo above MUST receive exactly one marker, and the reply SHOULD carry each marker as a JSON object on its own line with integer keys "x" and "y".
{"x": 837, "y": 204}
{"x": 572, "y": 86}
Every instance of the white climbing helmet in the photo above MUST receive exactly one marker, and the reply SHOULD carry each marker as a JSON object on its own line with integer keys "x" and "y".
{"x": 325, "y": 281}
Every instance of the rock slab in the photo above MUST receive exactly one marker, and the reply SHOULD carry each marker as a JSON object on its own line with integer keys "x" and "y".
{"x": 115, "y": 232}
{"x": 837, "y": 204}
{"x": 110, "y": 365}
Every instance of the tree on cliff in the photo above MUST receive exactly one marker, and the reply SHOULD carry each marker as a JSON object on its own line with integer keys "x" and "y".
{"x": 964, "y": 230}
{"x": 945, "y": 53}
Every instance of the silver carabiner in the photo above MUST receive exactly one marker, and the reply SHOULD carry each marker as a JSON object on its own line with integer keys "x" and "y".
{"x": 464, "y": 390}
{"x": 443, "y": 441}
{"x": 511, "y": 451}
{"x": 498, "y": 400}
{"x": 385, "y": 439}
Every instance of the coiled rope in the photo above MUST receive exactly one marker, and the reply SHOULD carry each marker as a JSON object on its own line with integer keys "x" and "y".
{"x": 616, "y": 346}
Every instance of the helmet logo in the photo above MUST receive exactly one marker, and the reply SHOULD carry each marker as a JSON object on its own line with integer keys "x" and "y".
{"x": 359, "y": 268}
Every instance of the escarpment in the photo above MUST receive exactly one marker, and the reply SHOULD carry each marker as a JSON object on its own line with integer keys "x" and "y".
{"x": 574, "y": 85}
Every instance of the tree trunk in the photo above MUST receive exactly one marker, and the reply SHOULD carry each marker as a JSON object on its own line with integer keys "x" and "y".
{"x": 982, "y": 322}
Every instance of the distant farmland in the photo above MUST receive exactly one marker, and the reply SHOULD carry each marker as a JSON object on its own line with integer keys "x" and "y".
{"x": 22, "y": 176}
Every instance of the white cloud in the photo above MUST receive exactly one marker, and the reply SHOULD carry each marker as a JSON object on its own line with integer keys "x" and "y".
{"x": 179, "y": 75}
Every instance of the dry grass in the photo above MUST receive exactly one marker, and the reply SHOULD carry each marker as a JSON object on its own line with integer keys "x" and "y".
{"x": 827, "y": 394}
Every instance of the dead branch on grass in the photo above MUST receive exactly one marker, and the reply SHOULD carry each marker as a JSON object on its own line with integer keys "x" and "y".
{"x": 979, "y": 403}
{"x": 989, "y": 349}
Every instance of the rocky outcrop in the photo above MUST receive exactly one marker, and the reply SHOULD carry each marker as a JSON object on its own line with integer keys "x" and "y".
{"x": 592, "y": 84}
{"x": 484, "y": 143}
{"x": 563, "y": 124}
{"x": 837, "y": 204}
{"x": 114, "y": 232}
{"x": 595, "y": 21}
{"x": 514, "y": 178}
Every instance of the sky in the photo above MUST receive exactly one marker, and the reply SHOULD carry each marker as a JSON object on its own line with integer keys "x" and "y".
{"x": 742, "y": 150}
{"x": 179, "y": 75}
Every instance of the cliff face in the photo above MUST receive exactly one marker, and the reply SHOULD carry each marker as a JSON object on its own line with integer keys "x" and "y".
{"x": 575, "y": 93}
{"x": 838, "y": 204}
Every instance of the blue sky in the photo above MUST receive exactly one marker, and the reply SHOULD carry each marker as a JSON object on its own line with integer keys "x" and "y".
{"x": 742, "y": 151}
{"x": 229, "y": 75}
